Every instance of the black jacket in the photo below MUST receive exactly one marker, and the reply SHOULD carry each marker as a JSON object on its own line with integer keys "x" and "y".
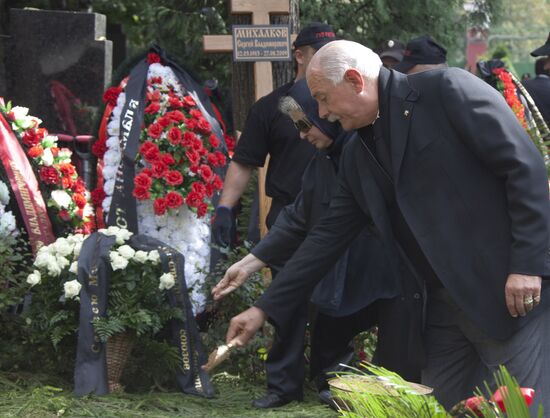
{"x": 362, "y": 274}
{"x": 469, "y": 183}
{"x": 539, "y": 89}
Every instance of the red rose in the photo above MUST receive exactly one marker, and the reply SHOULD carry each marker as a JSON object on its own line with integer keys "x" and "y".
{"x": 150, "y": 151}
{"x": 147, "y": 171}
{"x": 49, "y": 175}
{"x": 173, "y": 178}
{"x": 217, "y": 182}
{"x": 64, "y": 215}
{"x": 206, "y": 172}
{"x": 198, "y": 187}
{"x": 196, "y": 113}
{"x": 188, "y": 139}
{"x": 67, "y": 182}
{"x": 193, "y": 157}
{"x": 143, "y": 180}
{"x": 191, "y": 124}
{"x": 174, "y": 200}
{"x": 99, "y": 148}
{"x": 154, "y": 130}
{"x": 159, "y": 169}
{"x": 67, "y": 169}
{"x": 174, "y": 135}
{"x": 36, "y": 151}
{"x": 176, "y": 116}
{"x": 197, "y": 145}
{"x": 230, "y": 142}
{"x": 159, "y": 206}
{"x": 97, "y": 196}
{"x": 188, "y": 101}
{"x": 141, "y": 193}
{"x": 111, "y": 95}
{"x": 214, "y": 141}
{"x": 79, "y": 186}
{"x": 167, "y": 159}
{"x": 194, "y": 169}
{"x": 153, "y": 108}
{"x": 79, "y": 200}
{"x": 203, "y": 126}
{"x": 175, "y": 102}
{"x": 153, "y": 58}
{"x": 202, "y": 210}
{"x": 193, "y": 199}
{"x": 164, "y": 121}
{"x": 30, "y": 139}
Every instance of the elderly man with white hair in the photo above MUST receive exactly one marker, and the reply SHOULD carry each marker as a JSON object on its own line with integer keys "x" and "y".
{"x": 457, "y": 190}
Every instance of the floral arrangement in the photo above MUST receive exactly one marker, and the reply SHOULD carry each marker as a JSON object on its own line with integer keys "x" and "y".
{"x": 136, "y": 298}
{"x": 67, "y": 192}
{"x": 509, "y": 91}
{"x": 175, "y": 178}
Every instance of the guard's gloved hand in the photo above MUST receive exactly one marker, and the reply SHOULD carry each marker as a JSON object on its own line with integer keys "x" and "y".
{"x": 224, "y": 228}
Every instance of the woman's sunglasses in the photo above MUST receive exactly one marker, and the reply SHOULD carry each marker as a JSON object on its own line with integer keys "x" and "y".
{"x": 303, "y": 125}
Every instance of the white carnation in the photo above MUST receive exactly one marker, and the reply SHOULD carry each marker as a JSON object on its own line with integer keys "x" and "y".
{"x": 34, "y": 278}
{"x": 109, "y": 187}
{"x": 61, "y": 198}
{"x": 166, "y": 281}
{"x": 72, "y": 289}
{"x": 126, "y": 251}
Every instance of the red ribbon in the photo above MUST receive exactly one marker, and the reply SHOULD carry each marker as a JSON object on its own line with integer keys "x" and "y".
{"x": 25, "y": 188}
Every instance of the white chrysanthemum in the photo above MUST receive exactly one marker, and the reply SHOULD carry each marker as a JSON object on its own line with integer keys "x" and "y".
{"x": 72, "y": 289}
{"x": 34, "y": 278}
{"x": 61, "y": 198}
{"x": 166, "y": 281}
{"x": 7, "y": 224}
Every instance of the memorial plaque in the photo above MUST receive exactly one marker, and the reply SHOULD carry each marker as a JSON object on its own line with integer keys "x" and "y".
{"x": 261, "y": 43}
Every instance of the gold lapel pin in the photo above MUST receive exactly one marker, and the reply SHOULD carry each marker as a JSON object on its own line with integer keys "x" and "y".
{"x": 406, "y": 113}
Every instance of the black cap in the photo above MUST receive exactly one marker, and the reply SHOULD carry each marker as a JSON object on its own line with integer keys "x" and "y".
{"x": 543, "y": 50}
{"x": 422, "y": 50}
{"x": 315, "y": 35}
{"x": 392, "y": 48}
{"x": 300, "y": 92}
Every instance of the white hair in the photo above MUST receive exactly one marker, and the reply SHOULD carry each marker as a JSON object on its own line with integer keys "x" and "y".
{"x": 336, "y": 57}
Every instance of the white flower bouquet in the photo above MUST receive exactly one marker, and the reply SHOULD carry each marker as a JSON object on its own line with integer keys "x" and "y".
{"x": 137, "y": 301}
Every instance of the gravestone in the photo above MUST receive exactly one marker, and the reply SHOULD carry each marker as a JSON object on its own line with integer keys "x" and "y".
{"x": 58, "y": 64}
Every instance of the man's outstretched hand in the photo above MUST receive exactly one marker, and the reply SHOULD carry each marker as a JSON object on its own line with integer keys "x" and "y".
{"x": 236, "y": 275}
{"x": 244, "y": 326}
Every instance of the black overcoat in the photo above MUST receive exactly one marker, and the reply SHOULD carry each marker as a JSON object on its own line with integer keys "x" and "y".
{"x": 470, "y": 184}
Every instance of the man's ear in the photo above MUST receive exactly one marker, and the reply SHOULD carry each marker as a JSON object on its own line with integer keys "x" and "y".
{"x": 299, "y": 56}
{"x": 355, "y": 78}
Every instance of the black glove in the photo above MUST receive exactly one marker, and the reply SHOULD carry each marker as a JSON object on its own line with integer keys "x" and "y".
{"x": 224, "y": 228}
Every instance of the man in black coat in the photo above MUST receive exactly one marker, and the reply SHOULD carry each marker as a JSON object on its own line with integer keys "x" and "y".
{"x": 539, "y": 87}
{"x": 456, "y": 188}
{"x": 359, "y": 291}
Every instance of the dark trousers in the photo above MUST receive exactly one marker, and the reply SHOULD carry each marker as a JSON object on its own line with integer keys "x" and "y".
{"x": 461, "y": 356}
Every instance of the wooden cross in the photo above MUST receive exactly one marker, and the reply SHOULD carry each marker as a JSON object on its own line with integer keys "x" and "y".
{"x": 263, "y": 77}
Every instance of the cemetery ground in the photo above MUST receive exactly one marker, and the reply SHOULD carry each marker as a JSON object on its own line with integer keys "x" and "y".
{"x": 32, "y": 395}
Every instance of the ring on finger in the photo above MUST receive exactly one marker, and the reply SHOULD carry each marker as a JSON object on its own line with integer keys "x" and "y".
{"x": 528, "y": 300}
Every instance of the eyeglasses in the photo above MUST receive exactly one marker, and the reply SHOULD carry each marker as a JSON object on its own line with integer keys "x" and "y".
{"x": 303, "y": 125}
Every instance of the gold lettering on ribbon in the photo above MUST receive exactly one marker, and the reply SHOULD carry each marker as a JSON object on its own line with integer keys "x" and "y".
{"x": 184, "y": 350}
{"x": 28, "y": 205}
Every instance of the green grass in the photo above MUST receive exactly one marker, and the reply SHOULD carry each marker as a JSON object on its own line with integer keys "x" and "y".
{"x": 41, "y": 396}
